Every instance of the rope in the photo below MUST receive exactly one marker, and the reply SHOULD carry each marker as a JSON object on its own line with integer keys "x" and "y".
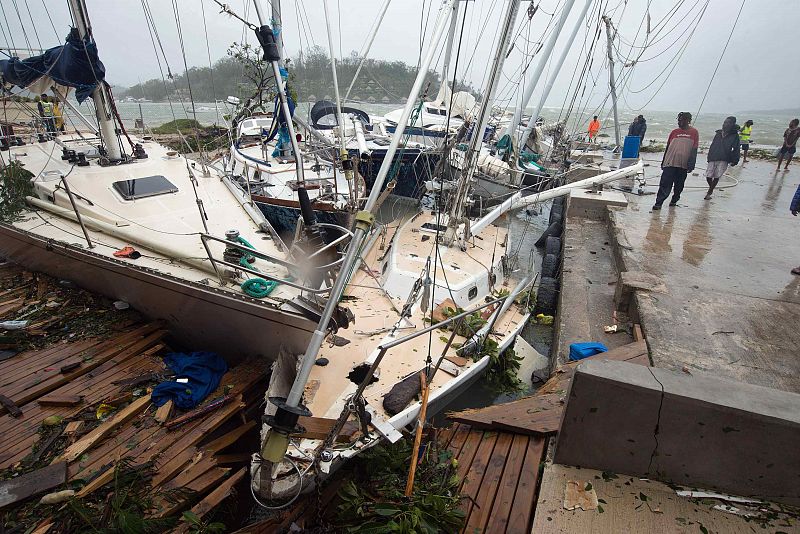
{"x": 254, "y": 287}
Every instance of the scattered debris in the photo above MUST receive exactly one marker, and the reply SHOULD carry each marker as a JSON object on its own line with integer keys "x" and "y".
{"x": 578, "y": 494}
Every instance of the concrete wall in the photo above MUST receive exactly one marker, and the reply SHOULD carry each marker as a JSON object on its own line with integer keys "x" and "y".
{"x": 690, "y": 429}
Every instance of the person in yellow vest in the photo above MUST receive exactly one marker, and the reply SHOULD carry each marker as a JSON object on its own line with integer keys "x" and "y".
{"x": 744, "y": 139}
{"x": 594, "y": 127}
{"x": 47, "y": 114}
{"x": 58, "y": 115}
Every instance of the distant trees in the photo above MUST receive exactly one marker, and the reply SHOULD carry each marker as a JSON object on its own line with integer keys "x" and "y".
{"x": 310, "y": 79}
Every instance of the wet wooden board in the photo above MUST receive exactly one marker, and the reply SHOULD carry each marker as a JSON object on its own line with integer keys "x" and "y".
{"x": 537, "y": 414}
{"x": 39, "y": 481}
{"x": 499, "y": 474}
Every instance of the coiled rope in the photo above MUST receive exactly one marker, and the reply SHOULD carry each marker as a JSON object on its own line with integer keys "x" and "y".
{"x": 254, "y": 287}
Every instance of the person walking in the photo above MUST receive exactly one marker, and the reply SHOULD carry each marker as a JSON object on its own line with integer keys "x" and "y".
{"x": 638, "y": 127}
{"x": 594, "y": 127}
{"x": 724, "y": 151}
{"x": 789, "y": 147}
{"x": 678, "y": 161}
{"x": 744, "y": 139}
{"x": 794, "y": 207}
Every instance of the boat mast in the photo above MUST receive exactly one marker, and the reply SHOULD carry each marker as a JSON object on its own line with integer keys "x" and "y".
{"x": 275, "y": 445}
{"x": 347, "y": 164}
{"x": 549, "y": 85}
{"x": 534, "y": 80}
{"x": 277, "y": 25}
{"x": 273, "y": 55}
{"x": 611, "y": 82}
{"x": 476, "y": 141}
{"x": 100, "y": 95}
{"x": 448, "y": 51}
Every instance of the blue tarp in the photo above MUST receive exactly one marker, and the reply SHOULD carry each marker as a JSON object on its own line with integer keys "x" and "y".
{"x": 579, "y": 351}
{"x": 75, "y": 64}
{"x": 204, "y": 371}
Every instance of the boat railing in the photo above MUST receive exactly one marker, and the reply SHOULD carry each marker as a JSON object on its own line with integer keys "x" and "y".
{"x": 383, "y": 348}
{"x": 215, "y": 262}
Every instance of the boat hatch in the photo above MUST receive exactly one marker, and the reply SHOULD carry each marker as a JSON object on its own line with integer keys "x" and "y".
{"x": 149, "y": 186}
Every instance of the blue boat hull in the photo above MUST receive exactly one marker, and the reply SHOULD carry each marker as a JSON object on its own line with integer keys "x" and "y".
{"x": 284, "y": 218}
{"x": 415, "y": 167}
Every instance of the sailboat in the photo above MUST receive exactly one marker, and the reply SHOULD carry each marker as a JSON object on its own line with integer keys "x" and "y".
{"x": 433, "y": 295}
{"x": 133, "y": 220}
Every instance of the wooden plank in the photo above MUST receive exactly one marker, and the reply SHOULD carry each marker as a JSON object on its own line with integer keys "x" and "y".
{"x": 467, "y": 453}
{"x": 200, "y": 485}
{"x": 320, "y": 427}
{"x": 539, "y": 415}
{"x": 10, "y": 406}
{"x": 477, "y": 470}
{"x": 24, "y": 486}
{"x": 229, "y": 439}
{"x": 69, "y": 367}
{"x": 504, "y": 501}
{"x": 203, "y": 463}
{"x": 170, "y": 469}
{"x": 488, "y": 488}
{"x": 60, "y": 400}
{"x": 129, "y": 412}
{"x": 73, "y": 429}
{"x": 525, "y": 497}
{"x": 235, "y": 458}
{"x": 163, "y": 412}
{"x": 637, "y": 332}
{"x": 215, "y": 497}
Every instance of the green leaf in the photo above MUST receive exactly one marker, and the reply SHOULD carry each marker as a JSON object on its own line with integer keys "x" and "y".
{"x": 588, "y": 487}
{"x": 600, "y": 509}
{"x": 703, "y": 529}
{"x": 385, "y": 511}
{"x": 642, "y": 496}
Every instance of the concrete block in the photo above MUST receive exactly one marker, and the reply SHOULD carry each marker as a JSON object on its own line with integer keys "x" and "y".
{"x": 630, "y": 281}
{"x": 588, "y": 205}
{"x": 690, "y": 429}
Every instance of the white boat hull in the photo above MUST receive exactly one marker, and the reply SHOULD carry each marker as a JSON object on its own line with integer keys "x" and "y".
{"x": 203, "y": 318}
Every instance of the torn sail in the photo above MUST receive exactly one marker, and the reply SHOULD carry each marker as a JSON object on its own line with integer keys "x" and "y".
{"x": 74, "y": 64}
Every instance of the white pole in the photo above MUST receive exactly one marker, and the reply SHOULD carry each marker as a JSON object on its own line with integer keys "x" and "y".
{"x": 448, "y": 51}
{"x": 100, "y": 96}
{"x": 549, "y": 86}
{"x": 365, "y": 51}
{"x": 545, "y": 56}
{"x": 517, "y": 201}
{"x": 476, "y": 141}
{"x": 277, "y": 25}
{"x": 611, "y": 83}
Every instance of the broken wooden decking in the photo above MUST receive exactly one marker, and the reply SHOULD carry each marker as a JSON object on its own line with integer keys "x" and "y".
{"x": 540, "y": 414}
{"x": 499, "y": 474}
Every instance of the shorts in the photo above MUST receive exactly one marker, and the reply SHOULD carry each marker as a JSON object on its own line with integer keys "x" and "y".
{"x": 745, "y": 146}
{"x": 788, "y": 150}
{"x": 715, "y": 169}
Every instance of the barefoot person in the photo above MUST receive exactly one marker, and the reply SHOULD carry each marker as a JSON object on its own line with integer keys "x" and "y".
{"x": 789, "y": 147}
{"x": 744, "y": 139}
{"x": 678, "y": 161}
{"x": 724, "y": 151}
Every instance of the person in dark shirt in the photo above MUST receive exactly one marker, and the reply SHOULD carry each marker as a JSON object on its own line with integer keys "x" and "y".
{"x": 789, "y": 147}
{"x": 679, "y": 160}
{"x": 724, "y": 151}
{"x": 638, "y": 127}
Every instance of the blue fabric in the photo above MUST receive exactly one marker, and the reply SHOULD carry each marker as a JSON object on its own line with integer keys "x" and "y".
{"x": 75, "y": 64}
{"x": 630, "y": 147}
{"x": 204, "y": 371}
{"x": 579, "y": 351}
{"x": 795, "y": 206}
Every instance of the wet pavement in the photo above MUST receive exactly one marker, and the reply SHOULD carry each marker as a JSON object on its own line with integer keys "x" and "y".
{"x": 731, "y": 305}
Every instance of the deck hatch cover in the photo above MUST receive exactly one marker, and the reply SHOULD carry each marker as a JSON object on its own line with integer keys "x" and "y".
{"x": 149, "y": 186}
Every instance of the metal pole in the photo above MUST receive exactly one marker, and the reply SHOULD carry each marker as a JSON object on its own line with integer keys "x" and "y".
{"x": 276, "y": 71}
{"x": 364, "y": 218}
{"x": 545, "y": 56}
{"x": 100, "y": 96}
{"x": 141, "y": 117}
{"x": 346, "y": 164}
{"x": 611, "y": 82}
{"x": 448, "y": 50}
{"x": 277, "y": 24}
{"x": 549, "y": 86}
{"x": 365, "y": 51}
{"x": 75, "y": 110}
{"x": 75, "y": 209}
{"x": 476, "y": 141}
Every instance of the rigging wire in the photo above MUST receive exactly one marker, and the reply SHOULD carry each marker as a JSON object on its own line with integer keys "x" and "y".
{"x": 47, "y": 12}
{"x": 10, "y": 33}
{"x": 730, "y": 35}
{"x": 33, "y": 23}
{"x": 21, "y": 24}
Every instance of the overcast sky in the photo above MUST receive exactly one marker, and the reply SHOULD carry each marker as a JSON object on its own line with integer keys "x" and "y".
{"x": 759, "y": 69}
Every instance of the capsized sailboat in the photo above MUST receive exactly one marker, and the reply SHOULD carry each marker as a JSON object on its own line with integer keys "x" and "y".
{"x": 133, "y": 220}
